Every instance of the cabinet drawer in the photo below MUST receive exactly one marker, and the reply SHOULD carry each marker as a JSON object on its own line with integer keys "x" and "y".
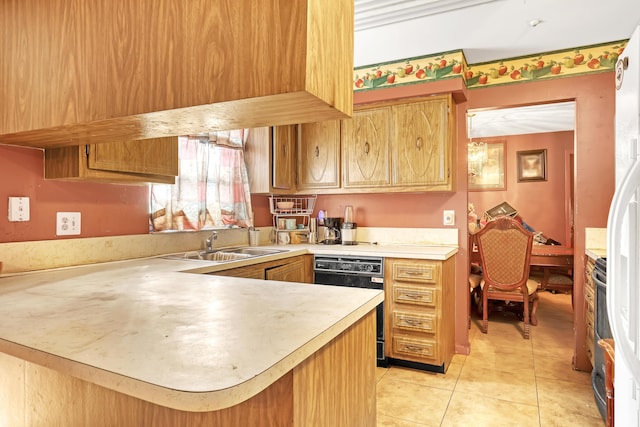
{"x": 414, "y": 347}
{"x": 419, "y": 295}
{"x": 423, "y": 272}
{"x": 590, "y": 315}
{"x": 415, "y": 321}
{"x": 589, "y": 296}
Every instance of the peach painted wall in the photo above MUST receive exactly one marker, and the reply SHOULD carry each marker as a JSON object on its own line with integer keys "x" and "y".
{"x": 107, "y": 210}
{"x": 540, "y": 203}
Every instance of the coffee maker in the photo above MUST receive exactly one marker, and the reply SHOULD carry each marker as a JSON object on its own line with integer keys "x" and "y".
{"x": 332, "y": 231}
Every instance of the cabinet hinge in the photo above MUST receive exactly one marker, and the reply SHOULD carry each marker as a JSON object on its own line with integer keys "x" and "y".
{"x": 86, "y": 151}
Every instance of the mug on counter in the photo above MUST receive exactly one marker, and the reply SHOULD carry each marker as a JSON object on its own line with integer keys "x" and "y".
{"x": 284, "y": 238}
{"x": 290, "y": 223}
{"x": 282, "y": 223}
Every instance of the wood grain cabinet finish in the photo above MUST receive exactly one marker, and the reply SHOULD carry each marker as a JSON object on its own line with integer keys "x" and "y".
{"x": 318, "y": 155}
{"x": 284, "y": 156}
{"x": 589, "y": 300}
{"x": 152, "y": 160}
{"x": 419, "y": 307}
{"x": 422, "y": 145}
{"x": 78, "y": 72}
{"x": 294, "y": 269}
{"x": 365, "y": 149}
{"x": 269, "y": 158}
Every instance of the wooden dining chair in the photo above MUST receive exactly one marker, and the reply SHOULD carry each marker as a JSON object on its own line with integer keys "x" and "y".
{"x": 505, "y": 254}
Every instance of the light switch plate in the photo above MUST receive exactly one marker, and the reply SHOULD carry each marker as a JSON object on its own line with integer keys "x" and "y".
{"x": 18, "y": 209}
{"x": 67, "y": 223}
{"x": 449, "y": 217}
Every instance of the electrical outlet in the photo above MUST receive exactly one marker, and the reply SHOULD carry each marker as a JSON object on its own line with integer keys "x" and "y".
{"x": 449, "y": 217}
{"x": 67, "y": 223}
{"x": 18, "y": 209}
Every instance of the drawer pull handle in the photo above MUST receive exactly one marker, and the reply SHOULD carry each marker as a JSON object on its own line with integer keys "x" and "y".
{"x": 413, "y": 296}
{"x": 413, "y": 273}
{"x": 413, "y": 348}
{"x": 412, "y": 322}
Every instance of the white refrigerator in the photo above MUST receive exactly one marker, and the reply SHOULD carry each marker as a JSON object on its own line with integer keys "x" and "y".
{"x": 623, "y": 238}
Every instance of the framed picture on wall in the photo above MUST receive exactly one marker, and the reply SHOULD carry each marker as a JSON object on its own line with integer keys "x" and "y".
{"x": 486, "y": 166}
{"x": 532, "y": 165}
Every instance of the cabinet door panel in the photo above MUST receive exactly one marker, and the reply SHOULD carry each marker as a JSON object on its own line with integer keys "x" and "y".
{"x": 291, "y": 272}
{"x": 421, "y": 143}
{"x": 319, "y": 155}
{"x": 283, "y": 157}
{"x": 365, "y": 140}
{"x": 158, "y": 156}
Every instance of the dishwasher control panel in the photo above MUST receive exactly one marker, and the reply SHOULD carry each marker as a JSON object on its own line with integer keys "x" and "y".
{"x": 349, "y": 264}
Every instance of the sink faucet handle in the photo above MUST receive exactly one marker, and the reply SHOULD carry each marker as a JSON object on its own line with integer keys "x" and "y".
{"x": 211, "y": 239}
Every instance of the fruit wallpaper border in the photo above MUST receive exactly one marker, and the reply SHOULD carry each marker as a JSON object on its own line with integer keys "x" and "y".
{"x": 452, "y": 64}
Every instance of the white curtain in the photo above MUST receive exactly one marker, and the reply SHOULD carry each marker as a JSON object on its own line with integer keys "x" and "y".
{"x": 212, "y": 189}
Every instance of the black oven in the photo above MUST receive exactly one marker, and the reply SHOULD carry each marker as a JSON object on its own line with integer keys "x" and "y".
{"x": 357, "y": 272}
{"x": 601, "y": 330}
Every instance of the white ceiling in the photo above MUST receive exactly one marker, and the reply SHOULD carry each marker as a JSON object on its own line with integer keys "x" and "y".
{"x": 490, "y": 30}
{"x": 559, "y": 116}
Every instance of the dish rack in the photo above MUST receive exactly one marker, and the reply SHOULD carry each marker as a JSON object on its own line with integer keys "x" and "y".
{"x": 301, "y": 206}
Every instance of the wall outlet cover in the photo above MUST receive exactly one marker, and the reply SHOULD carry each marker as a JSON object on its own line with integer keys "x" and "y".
{"x": 18, "y": 209}
{"x": 449, "y": 217}
{"x": 67, "y": 223}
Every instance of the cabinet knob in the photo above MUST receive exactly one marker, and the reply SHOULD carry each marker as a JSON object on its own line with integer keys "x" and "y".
{"x": 366, "y": 147}
{"x": 317, "y": 152}
{"x": 419, "y": 143}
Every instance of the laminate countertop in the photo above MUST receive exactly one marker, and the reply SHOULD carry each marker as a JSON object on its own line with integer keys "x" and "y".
{"x": 152, "y": 329}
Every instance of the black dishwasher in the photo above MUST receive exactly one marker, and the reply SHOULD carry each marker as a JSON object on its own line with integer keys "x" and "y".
{"x": 355, "y": 272}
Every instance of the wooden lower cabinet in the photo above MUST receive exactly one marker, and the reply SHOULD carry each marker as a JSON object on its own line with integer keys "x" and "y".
{"x": 294, "y": 269}
{"x": 589, "y": 301}
{"x": 419, "y": 306}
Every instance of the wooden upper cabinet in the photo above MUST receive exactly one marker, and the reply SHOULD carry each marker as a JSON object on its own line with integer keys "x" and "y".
{"x": 269, "y": 155}
{"x": 365, "y": 149}
{"x": 82, "y": 72}
{"x": 152, "y": 160}
{"x": 284, "y": 150}
{"x": 422, "y": 144}
{"x": 318, "y": 155}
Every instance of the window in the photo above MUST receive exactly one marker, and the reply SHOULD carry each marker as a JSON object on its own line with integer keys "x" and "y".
{"x": 212, "y": 188}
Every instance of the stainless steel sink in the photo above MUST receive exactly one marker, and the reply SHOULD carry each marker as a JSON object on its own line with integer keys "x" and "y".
{"x": 226, "y": 254}
{"x": 252, "y": 251}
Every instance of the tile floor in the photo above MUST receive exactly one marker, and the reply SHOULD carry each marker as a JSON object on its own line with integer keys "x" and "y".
{"x": 505, "y": 381}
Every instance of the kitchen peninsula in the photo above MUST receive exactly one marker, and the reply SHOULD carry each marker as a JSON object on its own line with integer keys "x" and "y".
{"x": 147, "y": 342}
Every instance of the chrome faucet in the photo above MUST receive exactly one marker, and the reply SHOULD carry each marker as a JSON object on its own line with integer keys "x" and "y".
{"x": 210, "y": 240}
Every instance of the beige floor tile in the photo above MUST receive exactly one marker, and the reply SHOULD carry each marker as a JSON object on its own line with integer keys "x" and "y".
{"x": 380, "y": 372}
{"x": 515, "y": 386}
{"x": 510, "y": 358}
{"x": 560, "y": 368}
{"x": 445, "y": 381}
{"x": 468, "y": 409}
{"x": 386, "y": 421}
{"x": 411, "y": 402}
{"x": 566, "y": 400}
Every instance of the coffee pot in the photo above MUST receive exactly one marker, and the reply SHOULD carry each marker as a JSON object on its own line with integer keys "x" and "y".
{"x": 332, "y": 235}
